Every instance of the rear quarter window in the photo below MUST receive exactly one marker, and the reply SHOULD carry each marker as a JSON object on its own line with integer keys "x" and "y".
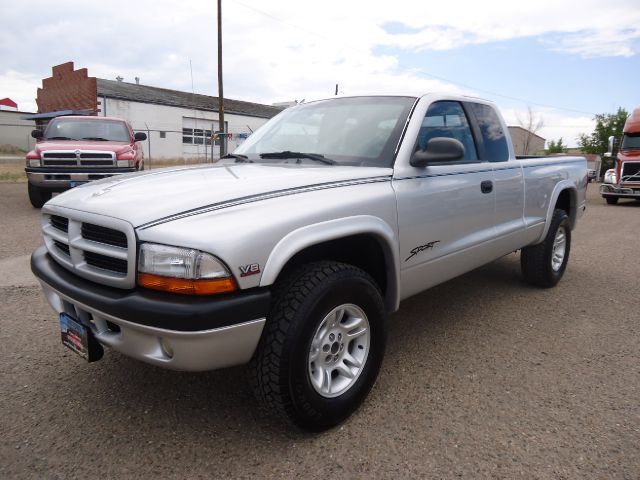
{"x": 494, "y": 146}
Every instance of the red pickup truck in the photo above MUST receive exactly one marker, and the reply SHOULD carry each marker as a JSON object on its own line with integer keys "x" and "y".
{"x": 77, "y": 149}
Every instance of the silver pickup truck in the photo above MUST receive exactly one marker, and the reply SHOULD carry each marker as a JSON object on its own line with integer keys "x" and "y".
{"x": 290, "y": 253}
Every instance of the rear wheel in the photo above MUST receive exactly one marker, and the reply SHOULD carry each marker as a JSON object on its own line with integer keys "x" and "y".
{"x": 544, "y": 264}
{"x": 611, "y": 200}
{"x": 322, "y": 347}
{"x": 38, "y": 196}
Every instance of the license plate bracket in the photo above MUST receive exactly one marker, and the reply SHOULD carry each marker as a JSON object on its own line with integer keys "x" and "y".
{"x": 78, "y": 338}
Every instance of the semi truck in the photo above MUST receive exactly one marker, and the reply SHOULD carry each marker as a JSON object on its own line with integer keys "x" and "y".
{"x": 623, "y": 181}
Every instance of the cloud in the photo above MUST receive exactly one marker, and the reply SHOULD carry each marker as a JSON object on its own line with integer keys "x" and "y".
{"x": 593, "y": 44}
{"x": 284, "y": 50}
{"x": 556, "y": 124}
{"x": 20, "y": 88}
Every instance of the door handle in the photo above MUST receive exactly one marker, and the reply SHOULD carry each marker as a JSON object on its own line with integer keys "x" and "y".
{"x": 486, "y": 186}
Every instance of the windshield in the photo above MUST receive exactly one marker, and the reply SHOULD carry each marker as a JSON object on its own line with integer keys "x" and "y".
{"x": 361, "y": 131}
{"x": 87, "y": 129}
{"x": 630, "y": 141}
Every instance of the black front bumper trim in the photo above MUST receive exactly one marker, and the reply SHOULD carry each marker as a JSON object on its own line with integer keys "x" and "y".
{"x": 168, "y": 311}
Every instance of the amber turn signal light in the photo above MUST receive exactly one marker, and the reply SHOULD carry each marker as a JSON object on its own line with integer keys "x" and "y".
{"x": 203, "y": 286}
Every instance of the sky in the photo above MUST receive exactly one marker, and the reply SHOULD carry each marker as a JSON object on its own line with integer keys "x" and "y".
{"x": 564, "y": 61}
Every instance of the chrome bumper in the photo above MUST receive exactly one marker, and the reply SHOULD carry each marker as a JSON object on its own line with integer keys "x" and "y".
{"x": 610, "y": 190}
{"x": 176, "y": 350}
{"x": 63, "y": 180}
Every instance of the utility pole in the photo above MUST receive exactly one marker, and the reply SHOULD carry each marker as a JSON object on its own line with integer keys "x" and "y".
{"x": 220, "y": 94}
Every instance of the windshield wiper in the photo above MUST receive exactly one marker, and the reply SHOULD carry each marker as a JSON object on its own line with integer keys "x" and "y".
{"x": 239, "y": 158}
{"x": 98, "y": 139}
{"x": 288, "y": 154}
{"x": 60, "y": 138}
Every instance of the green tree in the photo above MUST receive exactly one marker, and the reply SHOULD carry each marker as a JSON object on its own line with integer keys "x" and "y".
{"x": 556, "y": 147}
{"x": 607, "y": 124}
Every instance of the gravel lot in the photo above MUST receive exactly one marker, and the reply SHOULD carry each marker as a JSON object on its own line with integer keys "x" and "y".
{"x": 484, "y": 377}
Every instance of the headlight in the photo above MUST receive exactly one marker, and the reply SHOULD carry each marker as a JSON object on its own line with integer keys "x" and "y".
{"x": 124, "y": 163}
{"x": 182, "y": 270}
{"x": 610, "y": 176}
{"x": 34, "y": 163}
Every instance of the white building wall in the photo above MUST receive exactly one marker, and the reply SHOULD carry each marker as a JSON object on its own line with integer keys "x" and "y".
{"x": 15, "y": 131}
{"x": 170, "y": 121}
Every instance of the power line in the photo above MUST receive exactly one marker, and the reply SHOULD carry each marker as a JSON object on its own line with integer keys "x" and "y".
{"x": 415, "y": 70}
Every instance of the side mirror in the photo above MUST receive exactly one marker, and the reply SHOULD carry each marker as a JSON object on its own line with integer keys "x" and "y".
{"x": 439, "y": 149}
{"x": 139, "y": 136}
{"x": 38, "y": 134}
{"x": 612, "y": 145}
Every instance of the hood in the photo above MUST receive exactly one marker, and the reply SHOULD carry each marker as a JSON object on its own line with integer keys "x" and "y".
{"x": 144, "y": 197}
{"x": 46, "y": 145}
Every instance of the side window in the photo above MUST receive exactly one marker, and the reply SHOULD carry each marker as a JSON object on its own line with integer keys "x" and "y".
{"x": 447, "y": 119}
{"x": 494, "y": 141}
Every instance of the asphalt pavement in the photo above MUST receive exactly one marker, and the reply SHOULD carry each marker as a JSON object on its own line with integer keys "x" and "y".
{"x": 484, "y": 377}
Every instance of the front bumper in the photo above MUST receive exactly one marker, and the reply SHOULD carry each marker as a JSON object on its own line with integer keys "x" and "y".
{"x": 611, "y": 190}
{"x": 64, "y": 178}
{"x": 171, "y": 331}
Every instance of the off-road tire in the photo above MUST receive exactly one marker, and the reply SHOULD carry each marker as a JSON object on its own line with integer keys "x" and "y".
{"x": 280, "y": 366}
{"x": 38, "y": 196}
{"x": 612, "y": 200}
{"x": 536, "y": 261}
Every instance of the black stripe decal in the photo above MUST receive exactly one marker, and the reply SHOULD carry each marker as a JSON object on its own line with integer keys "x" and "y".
{"x": 443, "y": 174}
{"x": 264, "y": 196}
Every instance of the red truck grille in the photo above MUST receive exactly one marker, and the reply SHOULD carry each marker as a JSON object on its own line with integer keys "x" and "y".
{"x": 78, "y": 158}
{"x": 630, "y": 172}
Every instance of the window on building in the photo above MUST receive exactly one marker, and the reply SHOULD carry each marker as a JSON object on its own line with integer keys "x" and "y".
{"x": 198, "y": 136}
{"x": 187, "y": 135}
{"x": 199, "y": 132}
{"x": 163, "y": 134}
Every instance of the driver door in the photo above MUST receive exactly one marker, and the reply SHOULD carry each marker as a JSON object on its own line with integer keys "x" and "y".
{"x": 446, "y": 209}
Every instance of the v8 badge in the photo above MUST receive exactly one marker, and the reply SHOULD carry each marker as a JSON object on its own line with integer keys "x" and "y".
{"x": 251, "y": 269}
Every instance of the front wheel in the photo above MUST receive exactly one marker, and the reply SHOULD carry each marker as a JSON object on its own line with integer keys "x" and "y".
{"x": 323, "y": 345}
{"x": 544, "y": 264}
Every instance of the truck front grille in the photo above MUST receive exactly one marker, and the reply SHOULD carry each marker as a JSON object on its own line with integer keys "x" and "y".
{"x": 105, "y": 235}
{"x": 60, "y": 223}
{"x": 64, "y": 248}
{"x": 78, "y": 158}
{"x": 100, "y": 249}
{"x": 106, "y": 263}
{"x": 630, "y": 172}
